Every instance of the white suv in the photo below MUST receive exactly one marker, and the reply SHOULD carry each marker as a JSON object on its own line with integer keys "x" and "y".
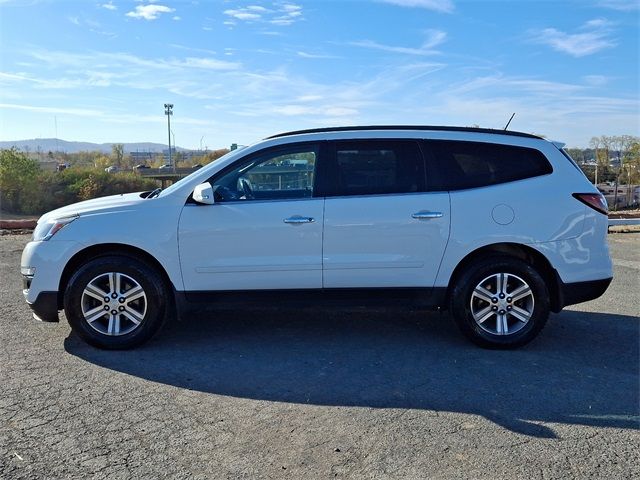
{"x": 499, "y": 227}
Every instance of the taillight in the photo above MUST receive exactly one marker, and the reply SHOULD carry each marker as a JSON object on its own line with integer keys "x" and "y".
{"x": 593, "y": 200}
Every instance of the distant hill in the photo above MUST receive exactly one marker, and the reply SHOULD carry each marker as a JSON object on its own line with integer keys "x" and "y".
{"x": 51, "y": 145}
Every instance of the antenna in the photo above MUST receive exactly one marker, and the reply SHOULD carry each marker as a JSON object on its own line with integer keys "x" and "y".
{"x": 507, "y": 125}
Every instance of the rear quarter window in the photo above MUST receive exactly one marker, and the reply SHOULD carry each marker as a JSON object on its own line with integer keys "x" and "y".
{"x": 464, "y": 165}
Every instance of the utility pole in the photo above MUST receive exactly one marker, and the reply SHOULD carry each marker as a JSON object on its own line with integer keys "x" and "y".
{"x": 173, "y": 135}
{"x": 168, "y": 111}
{"x": 615, "y": 196}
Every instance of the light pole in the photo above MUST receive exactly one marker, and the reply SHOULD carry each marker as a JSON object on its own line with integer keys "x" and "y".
{"x": 168, "y": 111}
{"x": 173, "y": 136}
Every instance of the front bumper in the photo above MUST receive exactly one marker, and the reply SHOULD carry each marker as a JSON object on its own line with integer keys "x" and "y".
{"x": 45, "y": 307}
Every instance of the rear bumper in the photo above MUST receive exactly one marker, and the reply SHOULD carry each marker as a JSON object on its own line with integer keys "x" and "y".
{"x": 578, "y": 292}
{"x": 45, "y": 307}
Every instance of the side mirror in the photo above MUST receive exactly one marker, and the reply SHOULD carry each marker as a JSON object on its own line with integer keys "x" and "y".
{"x": 203, "y": 193}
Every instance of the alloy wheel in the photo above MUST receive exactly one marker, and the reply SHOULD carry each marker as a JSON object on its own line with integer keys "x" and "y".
{"x": 502, "y": 304}
{"x": 114, "y": 304}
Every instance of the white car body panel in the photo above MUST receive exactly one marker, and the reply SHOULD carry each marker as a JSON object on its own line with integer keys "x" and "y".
{"x": 248, "y": 246}
{"x": 373, "y": 241}
{"x": 150, "y": 225}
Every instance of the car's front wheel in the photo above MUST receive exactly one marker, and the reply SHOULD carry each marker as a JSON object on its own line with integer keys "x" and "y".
{"x": 500, "y": 302}
{"x": 115, "y": 302}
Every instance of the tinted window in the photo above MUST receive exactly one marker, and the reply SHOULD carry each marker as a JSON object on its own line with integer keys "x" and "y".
{"x": 475, "y": 164}
{"x": 281, "y": 174}
{"x": 376, "y": 167}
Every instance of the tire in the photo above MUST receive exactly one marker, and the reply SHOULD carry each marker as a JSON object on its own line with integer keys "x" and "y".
{"x": 131, "y": 316}
{"x": 495, "y": 317}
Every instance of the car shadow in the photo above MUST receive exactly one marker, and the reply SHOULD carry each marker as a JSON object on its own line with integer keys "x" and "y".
{"x": 583, "y": 369}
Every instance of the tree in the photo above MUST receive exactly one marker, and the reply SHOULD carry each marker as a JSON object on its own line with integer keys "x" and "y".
{"x": 102, "y": 162}
{"x": 632, "y": 162}
{"x": 117, "y": 154}
{"x": 602, "y": 146}
{"x": 577, "y": 154}
{"x": 18, "y": 180}
{"x": 214, "y": 155}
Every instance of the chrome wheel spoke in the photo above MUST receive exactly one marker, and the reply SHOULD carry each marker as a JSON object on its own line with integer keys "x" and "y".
{"x": 520, "y": 293}
{"x": 484, "y": 315}
{"x": 483, "y": 294}
{"x": 500, "y": 283}
{"x": 133, "y": 316}
{"x": 502, "y": 327}
{"x": 133, "y": 294}
{"x": 520, "y": 314}
{"x": 93, "y": 315}
{"x": 117, "y": 281}
{"x": 95, "y": 292}
{"x": 114, "y": 325}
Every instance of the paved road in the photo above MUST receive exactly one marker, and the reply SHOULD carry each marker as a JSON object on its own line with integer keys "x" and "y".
{"x": 324, "y": 394}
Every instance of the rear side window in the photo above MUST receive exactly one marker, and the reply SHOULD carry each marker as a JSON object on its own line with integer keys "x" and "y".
{"x": 373, "y": 167}
{"x": 476, "y": 164}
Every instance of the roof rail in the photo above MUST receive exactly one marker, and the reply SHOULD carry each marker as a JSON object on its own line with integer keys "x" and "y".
{"x": 405, "y": 127}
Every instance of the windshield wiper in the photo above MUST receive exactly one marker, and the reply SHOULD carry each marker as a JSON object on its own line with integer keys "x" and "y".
{"x": 154, "y": 193}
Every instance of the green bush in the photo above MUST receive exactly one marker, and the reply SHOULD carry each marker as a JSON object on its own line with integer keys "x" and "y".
{"x": 26, "y": 189}
{"x": 18, "y": 179}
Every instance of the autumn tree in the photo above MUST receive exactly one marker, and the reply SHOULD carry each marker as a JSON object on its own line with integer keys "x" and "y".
{"x": 18, "y": 180}
{"x": 117, "y": 154}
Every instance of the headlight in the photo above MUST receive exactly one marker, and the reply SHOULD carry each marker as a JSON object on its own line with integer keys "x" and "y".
{"x": 44, "y": 231}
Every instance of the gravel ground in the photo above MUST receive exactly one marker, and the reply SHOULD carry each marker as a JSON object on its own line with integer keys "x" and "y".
{"x": 324, "y": 394}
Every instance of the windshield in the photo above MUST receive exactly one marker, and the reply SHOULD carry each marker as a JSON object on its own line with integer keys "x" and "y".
{"x": 186, "y": 179}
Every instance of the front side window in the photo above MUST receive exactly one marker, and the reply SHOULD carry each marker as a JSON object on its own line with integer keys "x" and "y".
{"x": 476, "y": 164}
{"x": 286, "y": 173}
{"x": 376, "y": 167}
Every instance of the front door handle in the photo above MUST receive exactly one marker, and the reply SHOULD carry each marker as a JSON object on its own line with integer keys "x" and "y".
{"x": 297, "y": 220}
{"x": 424, "y": 215}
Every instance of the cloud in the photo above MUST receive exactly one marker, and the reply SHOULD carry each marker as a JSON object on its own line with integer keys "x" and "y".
{"x": 305, "y": 110}
{"x": 243, "y": 14}
{"x": 444, "y": 6}
{"x": 595, "y": 80}
{"x": 314, "y": 55}
{"x": 82, "y": 112}
{"x": 109, "y": 6}
{"x": 434, "y": 38}
{"x": 150, "y": 11}
{"x": 280, "y": 14}
{"x": 622, "y": 5}
{"x": 591, "y": 37}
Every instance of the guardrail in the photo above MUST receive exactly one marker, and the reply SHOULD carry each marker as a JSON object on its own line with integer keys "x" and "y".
{"x": 164, "y": 172}
{"x": 614, "y": 222}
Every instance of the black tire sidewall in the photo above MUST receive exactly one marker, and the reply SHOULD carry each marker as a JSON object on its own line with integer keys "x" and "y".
{"x": 149, "y": 280}
{"x": 466, "y": 283}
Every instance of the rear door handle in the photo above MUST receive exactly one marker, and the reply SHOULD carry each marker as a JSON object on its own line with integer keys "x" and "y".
{"x": 297, "y": 220}
{"x": 424, "y": 215}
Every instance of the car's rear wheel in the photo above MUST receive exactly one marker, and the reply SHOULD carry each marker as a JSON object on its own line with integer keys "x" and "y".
{"x": 116, "y": 302}
{"x": 500, "y": 302}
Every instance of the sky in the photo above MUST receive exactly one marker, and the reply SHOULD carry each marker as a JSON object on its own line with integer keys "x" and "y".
{"x": 238, "y": 71}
